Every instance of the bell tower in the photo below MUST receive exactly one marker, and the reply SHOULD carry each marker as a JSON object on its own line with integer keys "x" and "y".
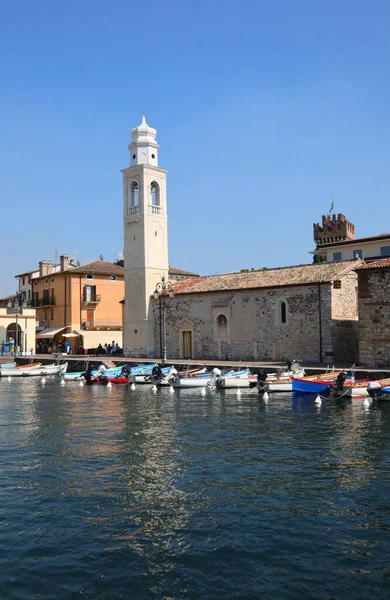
{"x": 145, "y": 238}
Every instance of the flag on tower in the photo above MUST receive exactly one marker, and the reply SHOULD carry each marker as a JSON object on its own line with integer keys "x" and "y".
{"x": 331, "y": 207}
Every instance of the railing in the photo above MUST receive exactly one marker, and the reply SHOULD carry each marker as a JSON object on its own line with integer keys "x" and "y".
{"x": 43, "y": 302}
{"x": 133, "y": 211}
{"x": 155, "y": 210}
{"x": 96, "y": 299}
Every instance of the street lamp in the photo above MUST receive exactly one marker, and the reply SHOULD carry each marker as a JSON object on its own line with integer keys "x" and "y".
{"x": 16, "y": 308}
{"x": 162, "y": 288}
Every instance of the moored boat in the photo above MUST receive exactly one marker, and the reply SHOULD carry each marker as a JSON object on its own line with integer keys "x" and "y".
{"x": 34, "y": 370}
{"x": 379, "y": 389}
{"x": 314, "y": 384}
{"x": 345, "y": 387}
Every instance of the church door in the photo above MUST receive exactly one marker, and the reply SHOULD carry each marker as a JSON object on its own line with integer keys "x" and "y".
{"x": 187, "y": 344}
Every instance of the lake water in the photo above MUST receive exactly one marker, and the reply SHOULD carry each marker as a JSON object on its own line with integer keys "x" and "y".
{"x": 108, "y": 493}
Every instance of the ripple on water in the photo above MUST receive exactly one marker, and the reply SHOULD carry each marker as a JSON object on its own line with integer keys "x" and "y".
{"x": 110, "y": 493}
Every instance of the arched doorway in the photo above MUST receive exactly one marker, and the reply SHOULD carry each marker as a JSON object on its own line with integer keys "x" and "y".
{"x": 14, "y": 332}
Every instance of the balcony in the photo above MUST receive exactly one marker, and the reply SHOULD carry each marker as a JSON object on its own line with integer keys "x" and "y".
{"x": 91, "y": 299}
{"x": 38, "y": 302}
{"x": 134, "y": 211}
{"x": 155, "y": 210}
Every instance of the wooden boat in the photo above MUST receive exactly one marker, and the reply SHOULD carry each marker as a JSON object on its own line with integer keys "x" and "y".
{"x": 102, "y": 375}
{"x": 77, "y": 375}
{"x": 264, "y": 383}
{"x": 34, "y": 370}
{"x": 344, "y": 387}
{"x": 102, "y": 380}
{"x": 314, "y": 384}
{"x": 193, "y": 373}
{"x": 156, "y": 375}
{"x": 197, "y": 382}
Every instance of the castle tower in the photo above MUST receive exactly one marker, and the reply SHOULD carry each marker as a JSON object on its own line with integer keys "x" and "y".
{"x": 145, "y": 238}
{"x": 334, "y": 229}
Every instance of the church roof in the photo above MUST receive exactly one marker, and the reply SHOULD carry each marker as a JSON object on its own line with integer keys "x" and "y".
{"x": 267, "y": 278}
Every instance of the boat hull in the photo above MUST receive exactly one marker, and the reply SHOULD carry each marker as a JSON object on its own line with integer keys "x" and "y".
{"x": 309, "y": 386}
{"x": 35, "y": 371}
{"x": 191, "y": 382}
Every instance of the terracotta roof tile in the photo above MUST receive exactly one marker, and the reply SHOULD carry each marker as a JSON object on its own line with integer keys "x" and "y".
{"x": 375, "y": 264}
{"x": 173, "y": 272}
{"x": 99, "y": 267}
{"x": 267, "y": 278}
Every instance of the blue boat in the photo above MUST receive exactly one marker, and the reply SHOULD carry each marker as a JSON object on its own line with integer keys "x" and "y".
{"x": 314, "y": 384}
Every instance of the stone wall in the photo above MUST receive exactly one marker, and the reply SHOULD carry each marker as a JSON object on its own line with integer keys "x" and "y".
{"x": 344, "y": 299}
{"x": 374, "y": 317}
{"x": 254, "y": 330}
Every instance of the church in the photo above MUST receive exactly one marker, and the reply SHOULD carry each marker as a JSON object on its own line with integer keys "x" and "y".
{"x": 307, "y": 312}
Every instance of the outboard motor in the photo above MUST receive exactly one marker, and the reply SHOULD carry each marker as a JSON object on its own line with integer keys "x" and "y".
{"x": 126, "y": 372}
{"x": 171, "y": 375}
{"x": 339, "y": 383}
{"x": 374, "y": 389}
{"x": 261, "y": 383}
{"x": 157, "y": 373}
{"x": 215, "y": 379}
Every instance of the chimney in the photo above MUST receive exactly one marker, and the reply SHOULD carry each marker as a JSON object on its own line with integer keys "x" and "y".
{"x": 45, "y": 267}
{"x": 64, "y": 262}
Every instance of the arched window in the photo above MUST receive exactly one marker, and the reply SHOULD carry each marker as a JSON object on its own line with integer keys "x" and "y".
{"x": 222, "y": 325}
{"x": 281, "y": 315}
{"x": 132, "y": 193}
{"x": 283, "y": 312}
{"x": 154, "y": 194}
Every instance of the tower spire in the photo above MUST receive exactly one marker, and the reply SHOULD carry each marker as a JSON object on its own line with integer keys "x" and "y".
{"x": 143, "y": 148}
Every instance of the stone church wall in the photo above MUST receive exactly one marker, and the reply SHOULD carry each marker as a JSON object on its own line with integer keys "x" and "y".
{"x": 253, "y": 329}
{"x": 374, "y": 317}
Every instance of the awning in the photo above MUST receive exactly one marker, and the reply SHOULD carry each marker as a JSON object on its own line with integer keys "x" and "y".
{"x": 49, "y": 332}
{"x": 70, "y": 335}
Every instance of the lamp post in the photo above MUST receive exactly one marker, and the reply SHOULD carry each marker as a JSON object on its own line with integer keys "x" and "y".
{"x": 16, "y": 308}
{"x": 162, "y": 288}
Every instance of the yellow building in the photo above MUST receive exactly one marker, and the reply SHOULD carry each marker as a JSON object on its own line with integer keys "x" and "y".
{"x": 17, "y": 330}
{"x": 78, "y": 304}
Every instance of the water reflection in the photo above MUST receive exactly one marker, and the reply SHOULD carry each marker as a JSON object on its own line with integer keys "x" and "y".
{"x": 151, "y": 454}
{"x": 108, "y": 492}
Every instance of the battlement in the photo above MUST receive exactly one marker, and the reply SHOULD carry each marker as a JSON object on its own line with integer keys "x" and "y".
{"x": 334, "y": 228}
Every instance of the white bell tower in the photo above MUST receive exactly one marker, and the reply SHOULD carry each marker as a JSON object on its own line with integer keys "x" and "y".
{"x": 145, "y": 238}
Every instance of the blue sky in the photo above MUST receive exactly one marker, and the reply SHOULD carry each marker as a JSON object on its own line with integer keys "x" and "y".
{"x": 263, "y": 111}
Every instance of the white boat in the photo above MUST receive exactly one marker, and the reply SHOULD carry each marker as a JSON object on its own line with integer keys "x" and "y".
{"x": 27, "y": 371}
{"x": 197, "y": 382}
